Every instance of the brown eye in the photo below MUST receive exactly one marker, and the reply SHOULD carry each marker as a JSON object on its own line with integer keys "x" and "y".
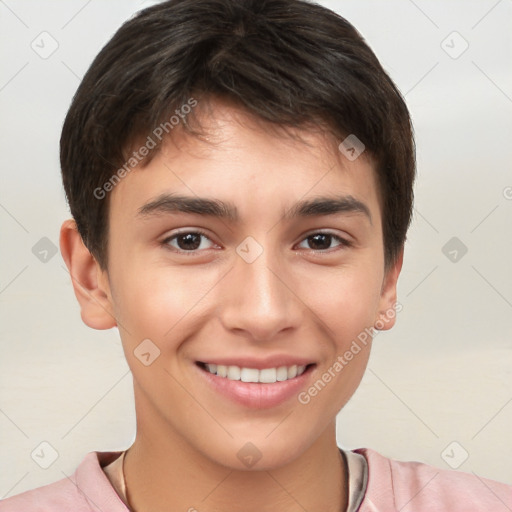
{"x": 320, "y": 242}
{"x": 323, "y": 241}
{"x": 189, "y": 241}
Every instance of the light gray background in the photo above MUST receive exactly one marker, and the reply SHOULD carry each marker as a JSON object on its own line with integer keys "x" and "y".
{"x": 442, "y": 375}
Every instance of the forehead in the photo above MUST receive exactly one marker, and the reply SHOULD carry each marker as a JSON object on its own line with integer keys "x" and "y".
{"x": 249, "y": 162}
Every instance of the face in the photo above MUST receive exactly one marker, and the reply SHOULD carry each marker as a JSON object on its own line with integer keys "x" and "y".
{"x": 254, "y": 256}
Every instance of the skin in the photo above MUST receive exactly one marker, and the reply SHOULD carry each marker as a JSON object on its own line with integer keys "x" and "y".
{"x": 293, "y": 299}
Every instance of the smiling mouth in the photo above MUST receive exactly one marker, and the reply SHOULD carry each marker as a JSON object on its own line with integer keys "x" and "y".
{"x": 263, "y": 376}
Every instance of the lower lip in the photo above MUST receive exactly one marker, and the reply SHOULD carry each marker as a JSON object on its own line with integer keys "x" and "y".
{"x": 257, "y": 395}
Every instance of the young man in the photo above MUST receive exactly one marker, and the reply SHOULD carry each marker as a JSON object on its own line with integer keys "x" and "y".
{"x": 240, "y": 175}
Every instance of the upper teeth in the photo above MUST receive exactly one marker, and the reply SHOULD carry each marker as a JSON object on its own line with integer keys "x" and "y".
{"x": 267, "y": 375}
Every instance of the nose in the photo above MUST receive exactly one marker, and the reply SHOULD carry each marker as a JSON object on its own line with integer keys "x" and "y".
{"x": 258, "y": 300}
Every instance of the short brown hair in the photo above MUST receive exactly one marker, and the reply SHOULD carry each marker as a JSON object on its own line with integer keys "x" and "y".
{"x": 288, "y": 62}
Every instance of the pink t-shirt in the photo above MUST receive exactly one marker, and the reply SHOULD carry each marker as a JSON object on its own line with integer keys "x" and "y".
{"x": 392, "y": 486}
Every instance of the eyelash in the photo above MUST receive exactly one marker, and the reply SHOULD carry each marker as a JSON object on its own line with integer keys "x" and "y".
{"x": 343, "y": 243}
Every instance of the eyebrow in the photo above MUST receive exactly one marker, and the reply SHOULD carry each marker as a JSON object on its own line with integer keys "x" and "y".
{"x": 169, "y": 203}
{"x": 319, "y": 206}
{"x": 328, "y": 206}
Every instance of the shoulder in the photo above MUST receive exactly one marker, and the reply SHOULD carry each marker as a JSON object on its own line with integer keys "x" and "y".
{"x": 84, "y": 491}
{"x": 55, "y": 496}
{"x": 418, "y": 487}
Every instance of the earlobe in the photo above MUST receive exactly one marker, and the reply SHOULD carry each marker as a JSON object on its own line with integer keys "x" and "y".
{"x": 91, "y": 290}
{"x": 388, "y": 300}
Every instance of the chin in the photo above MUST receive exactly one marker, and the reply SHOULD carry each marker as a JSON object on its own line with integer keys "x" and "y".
{"x": 257, "y": 453}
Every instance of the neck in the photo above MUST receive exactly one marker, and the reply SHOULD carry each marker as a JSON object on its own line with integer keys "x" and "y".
{"x": 172, "y": 476}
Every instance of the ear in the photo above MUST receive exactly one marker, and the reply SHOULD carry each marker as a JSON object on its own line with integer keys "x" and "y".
{"x": 90, "y": 282}
{"x": 388, "y": 307}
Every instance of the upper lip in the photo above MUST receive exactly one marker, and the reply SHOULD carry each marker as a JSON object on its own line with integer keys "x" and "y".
{"x": 258, "y": 363}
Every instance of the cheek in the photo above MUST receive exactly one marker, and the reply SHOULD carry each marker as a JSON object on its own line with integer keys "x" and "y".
{"x": 346, "y": 302}
{"x": 345, "y": 299}
{"x": 158, "y": 304}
